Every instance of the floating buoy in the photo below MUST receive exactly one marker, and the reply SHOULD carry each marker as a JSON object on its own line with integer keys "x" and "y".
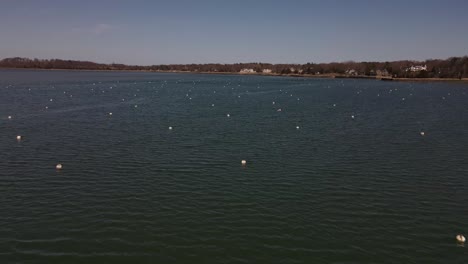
{"x": 352, "y": 116}
{"x": 228, "y": 115}
{"x": 460, "y": 238}
{"x": 334, "y": 105}
{"x": 422, "y": 133}
{"x": 273, "y": 102}
{"x": 243, "y": 162}
{"x": 58, "y": 166}
{"x": 297, "y": 127}
{"x": 279, "y": 110}
{"x": 110, "y": 113}
{"x": 18, "y": 137}
{"x": 212, "y": 105}
{"x": 136, "y": 106}
{"x": 170, "y": 128}
{"x": 9, "y": 117}
{"x": 46, "y": 107}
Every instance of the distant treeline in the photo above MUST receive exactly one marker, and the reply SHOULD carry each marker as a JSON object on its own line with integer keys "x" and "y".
{"x": 455, "y": 67}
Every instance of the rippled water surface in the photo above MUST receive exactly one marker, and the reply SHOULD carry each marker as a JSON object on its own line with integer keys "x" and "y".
{"x": 319, "y": 186}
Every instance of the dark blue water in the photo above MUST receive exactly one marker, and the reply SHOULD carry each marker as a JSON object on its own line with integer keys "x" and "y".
{"x": 319, "y": 186}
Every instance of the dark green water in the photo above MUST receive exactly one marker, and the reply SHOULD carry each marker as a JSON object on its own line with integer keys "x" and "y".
{"x": 336, "y": 190}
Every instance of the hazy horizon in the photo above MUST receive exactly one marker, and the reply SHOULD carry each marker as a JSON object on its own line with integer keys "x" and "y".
{"x": 152, "y": 33}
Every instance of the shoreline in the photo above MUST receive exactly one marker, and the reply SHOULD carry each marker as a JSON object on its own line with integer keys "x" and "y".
{"x": 320, "y": 76}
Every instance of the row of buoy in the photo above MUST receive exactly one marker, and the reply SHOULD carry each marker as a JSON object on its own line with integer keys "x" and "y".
{"x": 243, "y": 162}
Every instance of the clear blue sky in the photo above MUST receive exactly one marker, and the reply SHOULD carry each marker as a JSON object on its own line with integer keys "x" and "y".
{"x": 202, "y": 31}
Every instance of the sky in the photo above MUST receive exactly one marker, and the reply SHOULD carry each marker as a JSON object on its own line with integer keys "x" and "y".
{"x": 141, "y": 32}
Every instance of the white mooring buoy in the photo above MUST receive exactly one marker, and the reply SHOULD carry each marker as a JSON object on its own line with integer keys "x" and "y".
{"x": 243, "y": 162}
{"x": 58, "y": 166}
{"x": 422, "y": 133}
{"x": 460, "y": 238}
{"x": 19, "y": 137}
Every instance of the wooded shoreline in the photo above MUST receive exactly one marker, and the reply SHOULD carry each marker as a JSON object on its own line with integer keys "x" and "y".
{"x": 321, "y": 76}
{"x": 453, "y": 69}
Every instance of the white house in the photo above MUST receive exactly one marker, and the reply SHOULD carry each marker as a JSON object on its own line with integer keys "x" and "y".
{"x": 247, "y": 70}
{"x": 351, "y": 72}
{"x": 267, "y": 71}
{"x": 417, "y": 68}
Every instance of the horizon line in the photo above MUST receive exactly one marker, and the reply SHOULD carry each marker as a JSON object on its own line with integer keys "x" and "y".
{"x": 206, "y": 63}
